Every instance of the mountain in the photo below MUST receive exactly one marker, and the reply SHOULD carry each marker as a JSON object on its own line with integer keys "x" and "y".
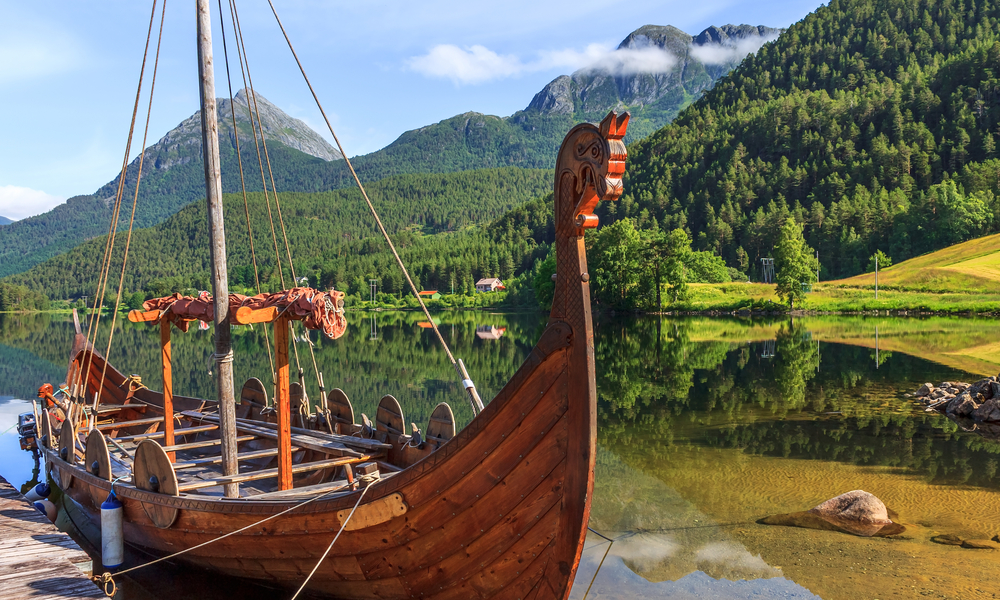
{"x": 5, "y": 221}
{"x": 653, "y": 98}
{"x": 301, "y": 160}
{"x": 874, "y": 123}
{"x": 531, "y": 137}
{"x": 172, "y": 177}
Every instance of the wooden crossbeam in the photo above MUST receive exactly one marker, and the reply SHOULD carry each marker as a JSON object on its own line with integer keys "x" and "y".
{"x": 269, "y": 473}
{"x": 124, "y": 424}
{"x": 159, "y": 434}
{"x": 144, "y": 316}
{"x": 214, "y": 460}
{"x": 319, "y": 488}
{"x": 205, "y": 444}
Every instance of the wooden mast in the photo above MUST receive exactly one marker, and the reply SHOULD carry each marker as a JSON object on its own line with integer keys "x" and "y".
{"x": 220, "y": 283}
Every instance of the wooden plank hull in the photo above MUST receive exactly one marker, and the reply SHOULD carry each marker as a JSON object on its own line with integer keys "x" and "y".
{"x": 499, "y": 511}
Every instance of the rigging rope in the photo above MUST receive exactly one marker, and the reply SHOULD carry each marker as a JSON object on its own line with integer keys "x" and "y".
{"x": 135, "y": 202}
{"x": 243, "y": 185}
{"x": 95, "y": 316}
{"x": 253, "y": 107}
{"x": 474, "y": 399}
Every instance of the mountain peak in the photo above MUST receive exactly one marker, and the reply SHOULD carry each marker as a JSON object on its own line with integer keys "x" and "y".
{"x": 693, "y": 65}
{"x": 174, "y": 148}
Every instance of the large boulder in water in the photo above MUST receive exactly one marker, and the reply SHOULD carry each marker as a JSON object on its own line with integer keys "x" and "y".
{"x": 857, "y": 505}
{"x": 856, "y": 512}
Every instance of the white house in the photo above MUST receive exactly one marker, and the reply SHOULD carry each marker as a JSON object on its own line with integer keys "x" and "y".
{"x": 489, "y": 284}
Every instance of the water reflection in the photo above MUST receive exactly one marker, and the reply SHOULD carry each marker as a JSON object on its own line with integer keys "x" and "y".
{"x": 705, "y": 425}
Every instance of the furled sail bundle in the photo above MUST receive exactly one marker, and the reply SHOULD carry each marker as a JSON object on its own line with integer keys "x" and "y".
{"x": 317, "y": 310}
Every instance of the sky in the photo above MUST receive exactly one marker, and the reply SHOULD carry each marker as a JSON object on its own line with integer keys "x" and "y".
{"x": 68, "y": 69}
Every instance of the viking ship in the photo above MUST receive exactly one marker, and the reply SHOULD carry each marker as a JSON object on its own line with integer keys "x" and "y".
{"x": 241, "y": 487}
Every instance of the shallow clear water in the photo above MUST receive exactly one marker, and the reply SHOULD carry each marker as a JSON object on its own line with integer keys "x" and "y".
{"x": 705, "y": 426}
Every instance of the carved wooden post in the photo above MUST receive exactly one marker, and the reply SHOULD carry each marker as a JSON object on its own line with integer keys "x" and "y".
{"x": 283, "y": 404}
{"x": 168, "y": 388}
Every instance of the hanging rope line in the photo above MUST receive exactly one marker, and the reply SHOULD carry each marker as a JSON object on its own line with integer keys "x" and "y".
{"x": 475, "y": 401}
{"x": 243, "y": 184}
{"x": 135, "y": 202}
{"x": 335, "y": 538}
{"x": 95, "y": 315}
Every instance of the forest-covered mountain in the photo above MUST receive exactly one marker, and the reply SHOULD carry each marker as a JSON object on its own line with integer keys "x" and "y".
{"x": 5, "y": 221}
{"x": 302, "y": 161}
{"x": 873, "y": 122}
{"x": 332, "y": 237}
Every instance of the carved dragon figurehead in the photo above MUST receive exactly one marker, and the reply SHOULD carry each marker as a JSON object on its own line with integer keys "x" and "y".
{"x": 592, "y": 161}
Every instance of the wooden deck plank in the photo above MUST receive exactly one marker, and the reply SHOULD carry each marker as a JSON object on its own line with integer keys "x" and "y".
{"x": 36, "y": 559}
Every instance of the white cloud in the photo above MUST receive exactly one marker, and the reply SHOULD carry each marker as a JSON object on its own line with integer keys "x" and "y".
{"x": 720, "y": 54}
{"x": 20, "y": 202}
{"x": 470, "y": 65}
{"x": 478, "y": 64}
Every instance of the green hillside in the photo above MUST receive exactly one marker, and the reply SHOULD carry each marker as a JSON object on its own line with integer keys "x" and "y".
{"x": 333, "y": 238}
{"x": 873, "y": 122}
{"x": 5, "y": 221}
{"x": 972, "y": 266}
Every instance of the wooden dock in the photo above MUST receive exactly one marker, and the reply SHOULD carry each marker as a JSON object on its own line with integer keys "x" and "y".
{"x": 38, "y": 561}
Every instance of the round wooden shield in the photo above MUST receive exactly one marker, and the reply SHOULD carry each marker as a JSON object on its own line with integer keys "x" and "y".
{"x": 441, "y": 426}
{"x": 389, "y": 417}
{"x": 67, "y": 442}
{"x": 45, "y": 430}
{"x": 97, "y": 455}
{"x": 152, "y": 462}
{"x": 340, "y": 407}
{"x": 253, "y": 390}
{"x": 253, "y": 398}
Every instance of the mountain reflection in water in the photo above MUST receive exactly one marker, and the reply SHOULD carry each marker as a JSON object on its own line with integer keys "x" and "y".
{"x": 705, "y": 425}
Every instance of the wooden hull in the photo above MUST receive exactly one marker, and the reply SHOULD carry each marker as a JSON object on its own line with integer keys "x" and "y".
{"x": 499, "y": 511}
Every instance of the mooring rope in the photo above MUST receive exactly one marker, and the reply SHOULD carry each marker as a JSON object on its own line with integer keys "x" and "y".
{"x": 105, "y": 578}
{"x": 475, "y": 401}
{"x": 370, "y": 479}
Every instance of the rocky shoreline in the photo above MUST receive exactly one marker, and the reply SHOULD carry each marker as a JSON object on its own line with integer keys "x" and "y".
{"x": 975, "y": 406}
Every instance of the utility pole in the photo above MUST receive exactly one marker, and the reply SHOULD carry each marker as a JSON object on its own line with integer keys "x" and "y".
{"x": 373, "y": 283}
{"x": 220, "y": 282}
{"x": 876, "y": 275}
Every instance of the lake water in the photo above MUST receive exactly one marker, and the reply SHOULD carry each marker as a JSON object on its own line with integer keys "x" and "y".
{"x": 705, "y": 426}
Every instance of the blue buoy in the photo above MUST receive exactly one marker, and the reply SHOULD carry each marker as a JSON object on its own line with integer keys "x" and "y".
{"x": 46, "y": 507}
{"x": 112, "y": 542}
{"x": 42, "y": 490}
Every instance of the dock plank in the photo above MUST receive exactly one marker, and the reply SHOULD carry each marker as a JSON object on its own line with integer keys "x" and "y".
{"x": 37, "y": 560}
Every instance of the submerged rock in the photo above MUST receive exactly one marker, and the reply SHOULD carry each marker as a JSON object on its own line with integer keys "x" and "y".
{"x": 857, "y": 512}
{"x": 948, "y": 539}
{"x": 981, "y": 544}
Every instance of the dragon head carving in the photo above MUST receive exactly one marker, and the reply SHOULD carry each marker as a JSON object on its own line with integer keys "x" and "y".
{"x": 595, "y": 156}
